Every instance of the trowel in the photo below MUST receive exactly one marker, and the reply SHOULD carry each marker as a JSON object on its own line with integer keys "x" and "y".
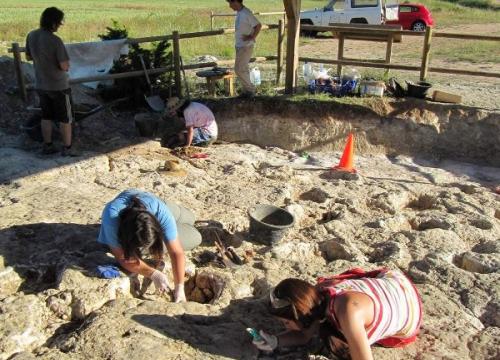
{"x": 154, "y": 101}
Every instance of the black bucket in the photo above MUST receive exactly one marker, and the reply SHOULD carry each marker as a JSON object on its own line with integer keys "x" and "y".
{"x": 268, "y": 223}
{"x": 418, "y": 90}
{"x": 146, "y": 124}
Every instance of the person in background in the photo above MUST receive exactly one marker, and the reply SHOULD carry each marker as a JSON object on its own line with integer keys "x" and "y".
{"x": 247, "y": 28}
{"x": 137, "y": 223}
{"x": 51, "y": 63}
{"x": 350, "y": 311}
{"x": 199, "y": 127}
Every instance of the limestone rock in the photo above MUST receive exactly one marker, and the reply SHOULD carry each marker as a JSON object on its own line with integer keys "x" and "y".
{"x": 340, "y": 249}
{"x": 22, "y": 323}
{"x": 295, "y": 251}
{"x": 10, "y": 281}
{"x": 89, "y": 294}
{"x": 316, "y": 195}
{"x": 393, "y": 224}
{"x": 390, "y": 202}
{"x": 391, "y": 251}
{"x": 297, "y": 211}
{"x": 481, "y": 263}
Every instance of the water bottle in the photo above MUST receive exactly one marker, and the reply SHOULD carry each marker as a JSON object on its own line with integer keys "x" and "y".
{"x": 307, "y": 71}
{"x": 255, "y": 76}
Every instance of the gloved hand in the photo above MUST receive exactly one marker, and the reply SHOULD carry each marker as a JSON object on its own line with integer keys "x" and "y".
{"x": 269, "y": 344}
{"x": 160, "y": 280}
{"x": 179, "y": 295}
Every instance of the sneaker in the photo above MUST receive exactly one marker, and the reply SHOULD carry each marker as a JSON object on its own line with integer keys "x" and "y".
{"x": 71, "y": 152}
{"x": 48, "y": 149}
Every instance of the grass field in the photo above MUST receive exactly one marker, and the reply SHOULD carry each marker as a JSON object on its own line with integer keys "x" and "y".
{"x": 85, "y": 19}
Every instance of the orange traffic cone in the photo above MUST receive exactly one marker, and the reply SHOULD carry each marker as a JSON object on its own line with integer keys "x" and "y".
{"x": 347, "y": 160}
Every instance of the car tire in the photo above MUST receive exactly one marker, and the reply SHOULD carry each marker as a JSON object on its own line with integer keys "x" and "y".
{"x": 307, "y": 33}
{"x": 418, "y": 26}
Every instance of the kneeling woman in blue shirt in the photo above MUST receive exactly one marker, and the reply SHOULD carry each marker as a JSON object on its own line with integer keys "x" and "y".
{"x": 136, "y": 223}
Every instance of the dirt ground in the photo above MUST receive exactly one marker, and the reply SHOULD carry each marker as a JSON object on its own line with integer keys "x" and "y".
{"x": 437, "y": 220}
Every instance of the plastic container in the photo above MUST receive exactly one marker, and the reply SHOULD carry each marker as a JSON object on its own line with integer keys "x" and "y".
{"x": 255, "y": 76}
{"x": 351, "y": 74}
{"x": 371, "y": 88}
{"x": 307, "y": 72}
{"x": 269, "y": 223}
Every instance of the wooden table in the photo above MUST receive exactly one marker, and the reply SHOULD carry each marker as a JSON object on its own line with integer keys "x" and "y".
{"x": 212, "y": 78}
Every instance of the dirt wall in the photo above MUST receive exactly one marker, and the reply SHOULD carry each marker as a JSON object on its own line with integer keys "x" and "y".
{"x": 411, "y": 126}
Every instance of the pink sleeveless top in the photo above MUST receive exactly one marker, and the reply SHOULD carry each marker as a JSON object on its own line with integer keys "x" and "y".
{"x": 396, "y": 303}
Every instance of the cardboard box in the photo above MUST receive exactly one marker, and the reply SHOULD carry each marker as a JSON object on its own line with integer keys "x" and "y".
{"x": 442, "y": 96}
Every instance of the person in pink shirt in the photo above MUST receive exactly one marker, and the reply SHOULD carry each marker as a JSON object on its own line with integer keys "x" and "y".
{"x": 200, "y": 126}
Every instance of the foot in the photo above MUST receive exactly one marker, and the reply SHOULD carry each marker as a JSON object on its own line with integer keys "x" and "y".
{"x": 48, "y": 149}
{"x": 71, "y": 152}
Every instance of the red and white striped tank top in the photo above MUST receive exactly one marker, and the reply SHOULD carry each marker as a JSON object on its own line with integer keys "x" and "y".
{"x": 397, "y": 306}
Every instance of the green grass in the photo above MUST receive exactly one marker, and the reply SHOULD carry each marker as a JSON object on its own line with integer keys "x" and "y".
{"x": 85, "y": 19}
{"x": 480, "y": 4}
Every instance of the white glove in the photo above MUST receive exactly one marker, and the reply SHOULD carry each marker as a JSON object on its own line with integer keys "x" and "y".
{"x": 179, "y": 295}
{"x": 269, "y": 344}
{"x": 160, "y": 280}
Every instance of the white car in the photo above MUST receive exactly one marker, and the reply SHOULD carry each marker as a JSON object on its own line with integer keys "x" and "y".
{"x": 374, "y": 12}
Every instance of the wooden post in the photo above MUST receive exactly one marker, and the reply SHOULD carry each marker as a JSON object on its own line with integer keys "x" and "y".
{"x": 340, "y": 53}
{"x": 211, "y": 20}
{"x": 425, "y": 53}
{"x": 292, "y": 8}
{"x": 177, "y": 63}
{"x": 19, "y": 71}
{"x": 388, "y": 51}
{"x": 279, "y": 60}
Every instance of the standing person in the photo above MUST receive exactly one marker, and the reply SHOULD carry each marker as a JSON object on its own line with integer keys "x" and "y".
{"x": 350, "y": 311}
{"x": 247, "y": 28}
{"x": 51, "y": 63}
{"x": 199, "y": 127}
{"x": 136, "y": 223}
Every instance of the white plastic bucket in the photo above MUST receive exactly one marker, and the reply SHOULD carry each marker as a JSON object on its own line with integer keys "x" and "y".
{"x": 255, "y": 76}
{"x": 372, "y": 88}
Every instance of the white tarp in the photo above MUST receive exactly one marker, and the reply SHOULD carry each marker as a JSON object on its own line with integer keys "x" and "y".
{"x": 94, "y": 58}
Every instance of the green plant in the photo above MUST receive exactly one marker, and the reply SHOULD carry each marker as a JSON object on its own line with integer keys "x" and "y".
{"x": 156, "y": 56}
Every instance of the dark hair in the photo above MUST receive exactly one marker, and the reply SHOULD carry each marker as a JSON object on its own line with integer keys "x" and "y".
{"x": 306, "y": 302}
{"x": 51, "y": 18}
{"x": 180, "y": 110}
{"x": 139, "y": 230}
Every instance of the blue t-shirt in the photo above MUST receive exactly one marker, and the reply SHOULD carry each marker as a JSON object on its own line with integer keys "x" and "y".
{"x": 108, "y": 235}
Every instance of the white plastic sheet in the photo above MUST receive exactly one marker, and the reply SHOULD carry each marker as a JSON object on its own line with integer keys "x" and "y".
{"x": 94, "y": 58}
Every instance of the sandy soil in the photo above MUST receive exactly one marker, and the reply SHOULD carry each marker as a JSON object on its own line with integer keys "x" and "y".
{"x": 438, "y": 221}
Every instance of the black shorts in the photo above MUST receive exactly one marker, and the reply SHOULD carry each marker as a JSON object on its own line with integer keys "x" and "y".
{"x": 56, "y": 105}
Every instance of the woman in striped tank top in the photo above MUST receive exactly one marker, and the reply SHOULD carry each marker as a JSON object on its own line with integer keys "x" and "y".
{"x": 351, "y": 311}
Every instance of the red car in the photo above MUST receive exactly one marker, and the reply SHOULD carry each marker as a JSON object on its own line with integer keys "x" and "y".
{"x": 414, "y": 17}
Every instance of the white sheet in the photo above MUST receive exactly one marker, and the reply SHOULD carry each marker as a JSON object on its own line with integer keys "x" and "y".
{"x": 94, "y": 58}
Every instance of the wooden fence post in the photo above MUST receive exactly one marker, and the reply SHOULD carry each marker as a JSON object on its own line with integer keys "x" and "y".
{"x": 388, "y": 50}
{"x": 211, "y": 20}
{"x": 19, "y": 71}
{"x": 340, "y": 53}
{"x": 279, "y": 60}
{"x": 177, "y": 63}
{"x": 425, "y": 53}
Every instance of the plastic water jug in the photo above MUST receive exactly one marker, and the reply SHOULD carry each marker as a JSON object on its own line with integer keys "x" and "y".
{"x": 307, "y": 71}
{"x": 255, "y": 76}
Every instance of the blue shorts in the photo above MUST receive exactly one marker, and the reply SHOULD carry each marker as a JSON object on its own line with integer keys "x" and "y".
{"x": 201, "y": 135}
